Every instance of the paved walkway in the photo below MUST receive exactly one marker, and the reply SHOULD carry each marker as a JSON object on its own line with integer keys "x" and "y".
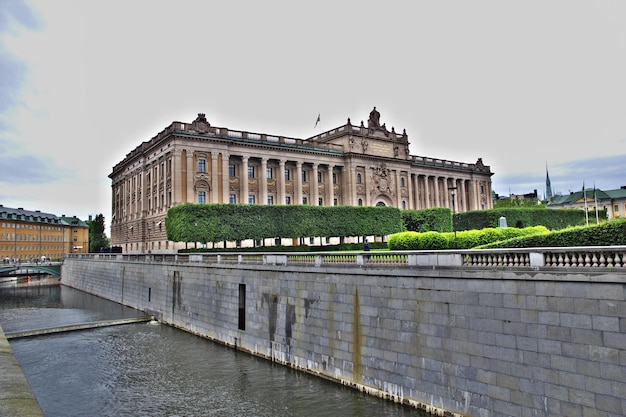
{"x": 16, "y": 397}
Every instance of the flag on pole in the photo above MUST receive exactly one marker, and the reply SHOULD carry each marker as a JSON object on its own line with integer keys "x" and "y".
{"x": 595, "y": 202}
{"x": 586, "y": 209}
{"x": 317, "y": 121}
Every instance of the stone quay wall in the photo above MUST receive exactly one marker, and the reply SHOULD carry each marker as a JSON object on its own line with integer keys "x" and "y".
{"x": 451, "y": 340}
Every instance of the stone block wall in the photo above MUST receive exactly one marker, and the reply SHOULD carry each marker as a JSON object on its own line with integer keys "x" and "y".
{"x": 446, "y": 340}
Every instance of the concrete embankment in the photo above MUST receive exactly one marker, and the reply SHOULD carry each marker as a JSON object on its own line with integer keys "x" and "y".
{"x": 16, "y": 397}
{"x": 74, "y": 327}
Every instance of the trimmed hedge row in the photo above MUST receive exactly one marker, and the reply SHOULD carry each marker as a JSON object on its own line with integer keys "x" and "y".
{"x": 433, "y": 219}
{"x": 440, "y": 219}
{"x": 231, "y": 222}
{"x": 611, "y": 233}
{"x": 521, "y": 217}
{"x": 466, "y": 239}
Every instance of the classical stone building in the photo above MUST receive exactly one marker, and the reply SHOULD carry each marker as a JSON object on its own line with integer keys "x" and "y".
{"x": 28, "y": 235}
{"x": 353, "y": 165}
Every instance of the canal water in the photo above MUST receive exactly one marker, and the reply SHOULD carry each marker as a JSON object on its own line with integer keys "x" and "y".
{"x": 156, "y": 370}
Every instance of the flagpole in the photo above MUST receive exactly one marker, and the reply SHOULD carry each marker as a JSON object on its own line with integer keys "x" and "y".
{"x": 586, "y": 209}
{"x": 595, "y": 199}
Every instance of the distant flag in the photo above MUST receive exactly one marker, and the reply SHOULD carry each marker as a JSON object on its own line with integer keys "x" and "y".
{"x": 586, "y": 209}
{"x": 595, "y": 202}
{"x": 317, "y": 121}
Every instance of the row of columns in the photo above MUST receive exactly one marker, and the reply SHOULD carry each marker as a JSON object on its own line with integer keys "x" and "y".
{"x": 261, "y": 177}
{"x": 424, "y": 190}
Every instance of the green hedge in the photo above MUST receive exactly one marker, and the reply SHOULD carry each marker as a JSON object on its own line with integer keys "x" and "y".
{"x": 433, "y": 219}
{"x": 231, "y": 222}
{"x": 607, "y": 234}
{"x": 522, "y": 217}
{"x": 466, "y": 239}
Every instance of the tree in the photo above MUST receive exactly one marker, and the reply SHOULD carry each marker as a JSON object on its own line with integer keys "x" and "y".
{"x": 97, "y": 238}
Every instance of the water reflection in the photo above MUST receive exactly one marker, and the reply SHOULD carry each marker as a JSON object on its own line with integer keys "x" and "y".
{"x": 147, "y": 370}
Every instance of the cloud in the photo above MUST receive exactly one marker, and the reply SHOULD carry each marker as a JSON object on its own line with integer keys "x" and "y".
{"x": 18, "y": 170}
{"x": 605, "y": 172}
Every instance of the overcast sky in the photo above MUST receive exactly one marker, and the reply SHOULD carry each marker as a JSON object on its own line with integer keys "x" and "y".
{"x": 521, "y": 84}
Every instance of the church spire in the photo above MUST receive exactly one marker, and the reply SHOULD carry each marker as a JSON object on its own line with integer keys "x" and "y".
{"x": 548, "y": 185}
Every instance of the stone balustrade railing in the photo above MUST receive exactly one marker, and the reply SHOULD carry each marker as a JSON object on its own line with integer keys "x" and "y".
{"x": 607, "y": 257}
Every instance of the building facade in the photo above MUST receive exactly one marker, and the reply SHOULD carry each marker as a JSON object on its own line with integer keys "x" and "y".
{"x": 613, "y": 201}
{"x": 349, "y": 165}
{"x": 27, "y": 236}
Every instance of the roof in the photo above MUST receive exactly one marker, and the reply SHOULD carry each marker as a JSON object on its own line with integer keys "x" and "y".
{"x": 73, "y": 221}
{"x": 600, "y": 195}
{"x": 27, "y": 215}
{"x": 37, "y": 216}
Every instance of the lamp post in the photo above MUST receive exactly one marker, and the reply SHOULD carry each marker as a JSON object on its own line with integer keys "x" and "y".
{"x": 453, "y": 194}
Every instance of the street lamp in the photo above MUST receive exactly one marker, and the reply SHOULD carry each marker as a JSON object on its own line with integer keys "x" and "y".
{"x": 453, "y": 194}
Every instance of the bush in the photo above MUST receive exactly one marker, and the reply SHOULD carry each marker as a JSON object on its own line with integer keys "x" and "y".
{"x": 608, "y": 234}
{"x": 433, "y": 241}
{"x": 466, "y": 239}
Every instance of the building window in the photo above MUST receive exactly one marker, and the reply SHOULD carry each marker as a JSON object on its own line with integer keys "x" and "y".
{"x": 303, "y": 176}
{"x": 232, "y": 198}
{"x": 287, "y": 175}
{"x": 304, "y": 200}
{"x": 231, "y": 170}
{"x": 250, "y": 172}
{"x": 251, "y": 199}
{"x": 269, "y": 172}
{"x": 242, "y": 307}
{"x": 403, "y": 205}
{"x": 319, "y": 176}
{"x": 335, "y": 202}
{"x": 358, "y": 178}
{"x": 201, "y": 165}
{"x": 402, "y": 182}
{"x": 320, "y": 202}
{"x": 270, "y": 199}
{"x": 201, "y": 197}
{"x": 288, "y": 200}
{"x": 360, "y": 202}
{"x": 334, "y": 178}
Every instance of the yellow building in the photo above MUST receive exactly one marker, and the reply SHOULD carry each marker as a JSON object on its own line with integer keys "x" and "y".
{"x": 351, "y": 165}
{"x": 30, "y": 236}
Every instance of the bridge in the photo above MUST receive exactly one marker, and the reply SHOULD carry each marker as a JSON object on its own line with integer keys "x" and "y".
{"x": 51, "y": 268}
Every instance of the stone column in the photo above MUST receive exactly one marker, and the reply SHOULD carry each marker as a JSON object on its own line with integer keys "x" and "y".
{"x": 411, "y": 188}
{"x": 314, "y": 186}
{"x": 426, "y": 191}
{"x": 437, "y": 202}
{"x": 398, "y": 190}
{"x": 330, "y": 187}
{"x": 176, "y": 178}
{"x": 263, "y": 182}
{"x": 280, "y": 178}
{"x": 461, "y": 196}
{"x": 214, "y": 179}
{"x": 366, "y": 186}
{"x": 447, "y": 200}
{"x": 191, "y": 169}
{"x": 225, "y": 178}
{"x": 298, "y": 182}
{"x": 243, "y": 181}
{"x": 351, "y": 182}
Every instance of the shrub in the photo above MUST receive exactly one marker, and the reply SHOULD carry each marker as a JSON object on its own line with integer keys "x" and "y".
{"x": 607, "y": 234}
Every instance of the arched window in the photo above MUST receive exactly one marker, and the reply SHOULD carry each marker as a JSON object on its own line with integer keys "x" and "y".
{"x": 358, "y": 178}
{"x": 360, "y": 202}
